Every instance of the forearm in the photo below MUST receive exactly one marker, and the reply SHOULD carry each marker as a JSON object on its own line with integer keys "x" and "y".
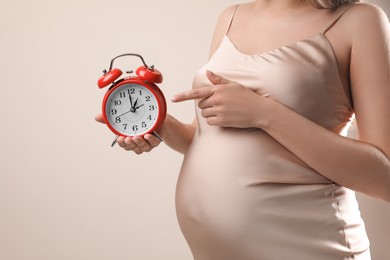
{"x": 354, "y": 164}
{"x": 176, "y": 134}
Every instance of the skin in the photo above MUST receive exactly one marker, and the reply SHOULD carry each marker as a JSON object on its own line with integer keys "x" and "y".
{"x": 361, "y": 43}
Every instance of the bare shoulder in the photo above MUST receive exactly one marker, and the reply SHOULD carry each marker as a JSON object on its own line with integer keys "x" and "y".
{"x": 226, "y": 14}
{"x": 366, "y": 10}
{"x": 365, "y": 18}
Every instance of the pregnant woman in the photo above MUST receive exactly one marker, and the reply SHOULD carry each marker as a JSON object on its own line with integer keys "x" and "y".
{"x": 268, "y": 173}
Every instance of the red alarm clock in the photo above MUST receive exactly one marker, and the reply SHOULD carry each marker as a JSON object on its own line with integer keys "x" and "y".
{"x": 133, "y": 105}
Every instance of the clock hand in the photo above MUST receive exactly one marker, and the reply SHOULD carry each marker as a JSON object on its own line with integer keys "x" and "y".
{"x": 138, "y": 107}
{"x": 136, "y": 101}
{"x": 125, "y": 113}
{"x": 131, "y": 101}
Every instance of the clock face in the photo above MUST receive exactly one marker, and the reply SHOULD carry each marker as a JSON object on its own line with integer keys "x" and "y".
{"x": 131, "y": 109}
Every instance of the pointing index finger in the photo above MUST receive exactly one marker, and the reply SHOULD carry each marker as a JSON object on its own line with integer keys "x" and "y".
{"x": 197, "y": 93}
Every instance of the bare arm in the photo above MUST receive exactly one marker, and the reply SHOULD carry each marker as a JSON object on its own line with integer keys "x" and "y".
{"x": 358, "y": 165}
{"x": 178, "y": 135}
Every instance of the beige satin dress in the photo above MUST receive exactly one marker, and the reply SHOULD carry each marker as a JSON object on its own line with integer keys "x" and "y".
{"x": 243, "y": 196}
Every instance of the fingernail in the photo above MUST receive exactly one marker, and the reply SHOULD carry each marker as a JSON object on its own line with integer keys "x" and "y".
{"x": 174, "y": 98}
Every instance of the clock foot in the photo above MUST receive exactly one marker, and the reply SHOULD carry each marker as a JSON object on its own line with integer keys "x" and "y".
{"x": 114, "y": 142}
{"x": 158, "y": 136}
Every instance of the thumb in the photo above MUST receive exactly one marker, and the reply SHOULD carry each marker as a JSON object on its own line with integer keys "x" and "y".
{"x": 100, "y": 118}
{"x": 216, "y": 79}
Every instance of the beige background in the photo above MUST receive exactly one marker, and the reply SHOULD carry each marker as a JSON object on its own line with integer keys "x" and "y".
{"x": 64, "y": 192}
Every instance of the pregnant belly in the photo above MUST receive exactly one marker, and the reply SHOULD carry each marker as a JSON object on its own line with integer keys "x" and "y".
{"x": 233, "y": 189}
{"x": 221, "y": 171}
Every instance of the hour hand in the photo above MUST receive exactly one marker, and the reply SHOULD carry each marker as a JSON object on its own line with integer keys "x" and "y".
{"x": 135, "y": 104}
{"x": 135, "y": 107}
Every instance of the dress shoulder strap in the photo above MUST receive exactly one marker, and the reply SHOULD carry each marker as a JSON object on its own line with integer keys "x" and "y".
{"x": 231, "y": 19}
{"x": 340, "y": 13}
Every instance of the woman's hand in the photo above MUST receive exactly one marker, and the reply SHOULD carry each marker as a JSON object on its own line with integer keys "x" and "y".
{"x": 226, "y": 103}
{"x": 136, "y": 144}
{"x": 139, "y": 144}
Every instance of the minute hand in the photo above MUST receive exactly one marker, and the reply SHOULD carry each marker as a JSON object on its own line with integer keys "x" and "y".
{"x": 131, "y": 101}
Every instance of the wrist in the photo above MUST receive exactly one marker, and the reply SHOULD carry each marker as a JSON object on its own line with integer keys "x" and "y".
{"x": 265, "y": 113}
{"x": 165, "y": 126}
